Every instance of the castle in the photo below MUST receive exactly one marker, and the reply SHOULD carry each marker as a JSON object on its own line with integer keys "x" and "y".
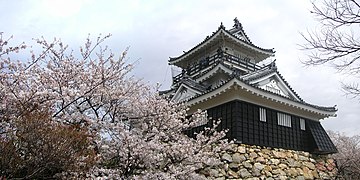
{"x": 222, "y": 75}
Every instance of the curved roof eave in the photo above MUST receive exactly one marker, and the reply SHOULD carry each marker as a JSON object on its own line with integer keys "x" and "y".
{"x": 221, "y": 29}
{"x": 187, "y": 87}
{"x": 250, "y": 45}
{"x": 216, "y": 67}
{"x": 324, "y": 111}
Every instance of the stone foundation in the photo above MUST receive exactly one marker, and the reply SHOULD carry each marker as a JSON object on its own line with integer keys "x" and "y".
{"x": 255, "y": 162}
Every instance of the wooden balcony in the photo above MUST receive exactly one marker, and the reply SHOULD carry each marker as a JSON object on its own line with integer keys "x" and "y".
{"x": 209, "y": 61}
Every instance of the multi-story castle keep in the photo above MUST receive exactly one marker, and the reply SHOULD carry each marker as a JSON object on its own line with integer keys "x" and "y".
{"x": 222, "y": 75}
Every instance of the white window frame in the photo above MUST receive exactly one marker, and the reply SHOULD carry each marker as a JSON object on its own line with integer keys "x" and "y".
{"x": 284, "y": 119}
{"x": 302, "y": 124}
{"x": 262, "y": 114}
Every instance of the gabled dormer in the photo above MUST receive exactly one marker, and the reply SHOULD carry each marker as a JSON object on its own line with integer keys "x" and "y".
{"x": 269, "y": 79}
{"x": 187, "y": 89}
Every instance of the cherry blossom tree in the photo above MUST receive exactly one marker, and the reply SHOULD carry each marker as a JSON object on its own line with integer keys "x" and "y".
{"x": 134, "y": 132}
{"x": 348, "y": 157}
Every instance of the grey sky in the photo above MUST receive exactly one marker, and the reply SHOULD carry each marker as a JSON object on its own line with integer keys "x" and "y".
{"x": 156, "y": 30}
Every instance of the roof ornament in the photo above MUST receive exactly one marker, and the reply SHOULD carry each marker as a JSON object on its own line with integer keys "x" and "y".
{"x": 221, "y": 26}
{"x": 272, "y": 65}
{"x": 237, "y": 24}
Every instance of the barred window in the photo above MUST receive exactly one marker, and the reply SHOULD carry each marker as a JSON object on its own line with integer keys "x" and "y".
{"x": 262, "y": 113}
{"x": 302, "y": 124}
{"x": 284, "y": 119}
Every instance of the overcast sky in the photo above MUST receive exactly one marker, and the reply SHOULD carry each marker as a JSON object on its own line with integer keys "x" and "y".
{"x": 157, "y": 29}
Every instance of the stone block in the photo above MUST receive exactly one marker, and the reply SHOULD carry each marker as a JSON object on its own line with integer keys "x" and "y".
{"x": 278, "y": 171}
{"x": 307, "y": 173}
{"x": 244, "y": 173}
{"x": 282, "y": 166}
{"x": 258, "y": 166}
{"x": 292, "y": 172}
{"x": 303, "y": 158}
{"x": 275, "y": 161}
{"x": 233, "y": 174}
{"x": 260, "y": 159}
{"x": 238, "y": 158}
{"x": 234, "y": 166}
{"x": 227, "y": 157}
{"x": 279, "y": 154}
{"x": 241, "y": 149}
{"x": 247, "y": 164}
{"x": 309, "y": 165}
{"x": 253, "y": 155}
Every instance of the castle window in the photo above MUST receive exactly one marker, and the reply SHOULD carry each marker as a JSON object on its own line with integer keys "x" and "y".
{"x": 284, "y": 119}
{"x": 262, "y": 113}
{"x": 302, "y": 124}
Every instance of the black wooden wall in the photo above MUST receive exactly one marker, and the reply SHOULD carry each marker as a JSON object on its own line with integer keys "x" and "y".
{"x": 243, "y": 121}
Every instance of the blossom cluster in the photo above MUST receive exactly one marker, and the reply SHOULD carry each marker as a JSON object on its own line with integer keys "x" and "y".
{"x": 135, "y": 132}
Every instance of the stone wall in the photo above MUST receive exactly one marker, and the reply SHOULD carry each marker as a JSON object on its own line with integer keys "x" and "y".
{"x": 254, "y": 162}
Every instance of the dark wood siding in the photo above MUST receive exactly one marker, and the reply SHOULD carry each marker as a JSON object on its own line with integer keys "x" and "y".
{"x": 243, "y": 121}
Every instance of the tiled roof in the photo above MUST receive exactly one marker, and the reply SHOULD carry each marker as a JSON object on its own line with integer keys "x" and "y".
{"x": 328, "y": 109}
{"x": 193, "y": 84}
{"x": 239, "y": 28}
{"x": 221, "y": 28}
{"x": 322, "y": 141}
{"x": 212, "y": 67}
{"x": 266, "y": 70}
{"x": 269, "y": 69}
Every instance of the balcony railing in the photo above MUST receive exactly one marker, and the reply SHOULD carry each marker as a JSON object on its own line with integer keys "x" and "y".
{"x": 220, "y": 56}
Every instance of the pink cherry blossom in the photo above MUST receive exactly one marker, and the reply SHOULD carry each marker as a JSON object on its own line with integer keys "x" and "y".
{"x": 138, "y": 133}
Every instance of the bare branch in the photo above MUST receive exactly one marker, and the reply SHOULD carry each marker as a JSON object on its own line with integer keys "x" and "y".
{"x": 337, "y": 42}
{"x": 352, "y": 90}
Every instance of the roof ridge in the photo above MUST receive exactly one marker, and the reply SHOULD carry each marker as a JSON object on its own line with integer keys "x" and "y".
{"x": 237, "y": 25}
{"x": 329, "y": 109}
{"x": 222, "y": 28}
{"x": 192, "y": 83}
